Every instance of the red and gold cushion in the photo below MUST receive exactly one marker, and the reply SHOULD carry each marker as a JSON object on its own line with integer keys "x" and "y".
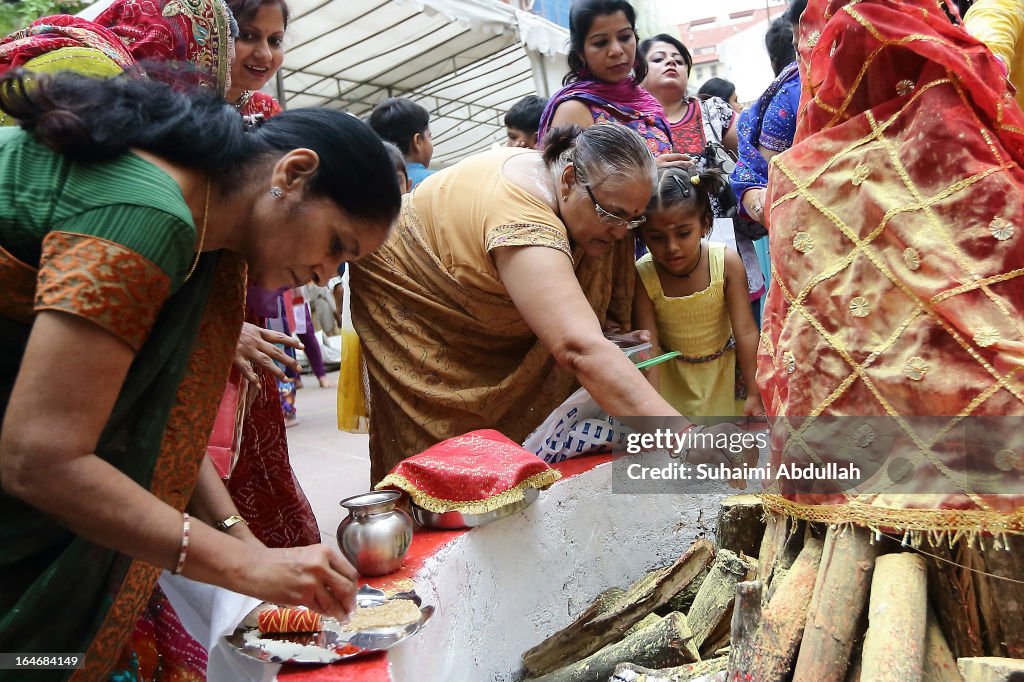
{"x": 475, "y": 473}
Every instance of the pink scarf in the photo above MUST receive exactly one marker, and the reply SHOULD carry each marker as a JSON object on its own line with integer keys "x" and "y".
{"x": 626, "y": 96}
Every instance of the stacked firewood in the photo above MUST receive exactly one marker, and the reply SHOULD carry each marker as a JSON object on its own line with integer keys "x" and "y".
{"x": 818, "y": 603}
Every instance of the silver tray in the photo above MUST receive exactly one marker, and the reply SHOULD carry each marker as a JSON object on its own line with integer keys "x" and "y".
{"x": 453, "y": 519}
{"x": 331, "y": 644}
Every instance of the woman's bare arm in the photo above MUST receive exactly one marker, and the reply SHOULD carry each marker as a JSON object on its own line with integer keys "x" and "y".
{"x": 544, "y": 288}
{"x": 55, "y": 470}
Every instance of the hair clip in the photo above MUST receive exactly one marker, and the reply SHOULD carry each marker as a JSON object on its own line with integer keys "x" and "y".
{"x": 252, "y": 122}
{"x": 695, "y": 179}
{"x": 683, "y": 189}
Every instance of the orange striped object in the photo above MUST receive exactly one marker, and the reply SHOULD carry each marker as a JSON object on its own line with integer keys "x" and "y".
{"x": 289, "y": 620}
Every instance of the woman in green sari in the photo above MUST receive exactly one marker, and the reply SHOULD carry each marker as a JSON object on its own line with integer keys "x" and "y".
{"x": 128, "y": 216}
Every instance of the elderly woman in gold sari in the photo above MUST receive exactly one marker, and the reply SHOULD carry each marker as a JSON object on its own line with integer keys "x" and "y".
{"x": 485, "y": 308}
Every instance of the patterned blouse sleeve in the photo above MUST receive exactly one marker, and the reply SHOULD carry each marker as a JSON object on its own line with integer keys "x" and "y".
{"x": 114, "y": 266}
{"x": 527, "y": 234}
{"x": 779, "y": 125}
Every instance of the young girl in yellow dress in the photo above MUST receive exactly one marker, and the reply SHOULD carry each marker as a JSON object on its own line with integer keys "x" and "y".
{"x": 692, "y": 296}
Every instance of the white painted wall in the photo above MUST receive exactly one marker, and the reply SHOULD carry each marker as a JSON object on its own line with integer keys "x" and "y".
{"x": 503, "y": 588}
{"x": 745, "y": 62}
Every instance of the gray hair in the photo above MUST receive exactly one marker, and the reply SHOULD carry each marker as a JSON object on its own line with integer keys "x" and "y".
{"x": 599, "y": 153}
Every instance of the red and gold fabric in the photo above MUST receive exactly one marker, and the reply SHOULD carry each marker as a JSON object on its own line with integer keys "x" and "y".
{"x": 197, "y": 33}
{"x": 252, "y": 103}
{"x": 474, "y": 474}
{"x": 50, "y": 34}
{"x": 896, "y": 224}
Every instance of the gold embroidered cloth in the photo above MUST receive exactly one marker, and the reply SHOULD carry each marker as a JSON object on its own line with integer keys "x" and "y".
{"x": 896, "y": 240}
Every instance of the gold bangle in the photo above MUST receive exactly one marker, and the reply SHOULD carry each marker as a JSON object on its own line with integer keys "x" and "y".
{"x": 183, "y": 553}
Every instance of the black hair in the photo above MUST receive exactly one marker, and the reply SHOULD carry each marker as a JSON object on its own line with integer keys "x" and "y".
{"x": 92, "y": 120}
{"x": 795, "y": 11}
{"x": 398, "y": 119}
{"x": 525, "y": 114}
{"x": 581, "y": 18}
{"x": 245, "y": 10}
{"x": 779, "y": 42}
{"x": 396, "y": 158}
{"x": 678, "y": 188}
{"x": 717, "y": 87}
{"x": 645, "y": 47}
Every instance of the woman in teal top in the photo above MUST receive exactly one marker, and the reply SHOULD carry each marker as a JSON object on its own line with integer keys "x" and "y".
{"x": 128, "y": 216}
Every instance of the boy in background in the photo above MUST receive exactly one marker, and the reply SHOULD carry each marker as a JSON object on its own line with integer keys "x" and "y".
{"x": 406, "y": 125}
{"x": 522, "y": 121}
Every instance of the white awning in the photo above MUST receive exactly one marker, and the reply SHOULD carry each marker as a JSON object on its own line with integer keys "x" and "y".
{"x": 466, "y": 61}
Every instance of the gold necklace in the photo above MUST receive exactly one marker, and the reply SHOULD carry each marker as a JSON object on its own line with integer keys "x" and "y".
{"x": 202, "y": 235}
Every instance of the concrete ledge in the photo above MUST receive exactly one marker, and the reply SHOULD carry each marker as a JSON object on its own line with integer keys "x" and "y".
{"x": 504, "y": 587}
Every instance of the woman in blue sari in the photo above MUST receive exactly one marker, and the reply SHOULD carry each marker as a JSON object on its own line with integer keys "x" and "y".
{"x": 767, "y": 129}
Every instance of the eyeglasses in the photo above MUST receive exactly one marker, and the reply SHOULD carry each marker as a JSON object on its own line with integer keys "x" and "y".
{"x": 608, "y": 216}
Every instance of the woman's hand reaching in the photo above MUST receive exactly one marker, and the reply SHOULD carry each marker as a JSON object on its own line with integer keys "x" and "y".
{"x": 256, "y": 348}
{"x": 316, "y": 576}
{"x": 721, "y": 444}
{"x": 673, "y": 160}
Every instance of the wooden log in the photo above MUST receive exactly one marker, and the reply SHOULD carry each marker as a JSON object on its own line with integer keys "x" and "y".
{"x": 1005, "y": 564}
{"x": 714, "y": 599}
{"x": 939, "y": 664}
{"x": 990, "y": 669}
{"x": 683, "y": 599}
{"x": 951, "y": 589}
{"x": 647, "y": 621}
{"x": 771, "y": 545}
{"x": 630, "y": 672}
{"x": 897, "y": 619}
{"x": 593, "y": 629}
{"x": 782, "y": 621}
{"x": 666, "y": 643}
{"x": 840, "y": 598}
{"x": 988, "y": 607}
{"x": 778, "y": 578}
{"x": 717, "y": 644}
{"x": 853, "y": 672}
{"x": 607, "y": 599}
{"x": 746, "y": 617}
{"x": 740, "y": 525}
{"x": 773, "y": 564}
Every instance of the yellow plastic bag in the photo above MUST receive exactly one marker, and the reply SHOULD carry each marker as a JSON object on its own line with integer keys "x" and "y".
{"x": 351, "y": 400}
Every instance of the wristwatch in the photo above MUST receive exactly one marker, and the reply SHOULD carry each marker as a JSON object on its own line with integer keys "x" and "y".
{"x": 229, "y": 522}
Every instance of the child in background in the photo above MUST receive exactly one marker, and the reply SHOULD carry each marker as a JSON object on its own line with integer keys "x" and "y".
{"x": 404, "y": 185}
{"x": 522, "y": 121}
{"x": 692, "y": 296}
{"x": 406, "y": 124}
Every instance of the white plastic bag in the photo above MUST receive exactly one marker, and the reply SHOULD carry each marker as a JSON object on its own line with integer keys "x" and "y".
{"x": 576, "y": 427}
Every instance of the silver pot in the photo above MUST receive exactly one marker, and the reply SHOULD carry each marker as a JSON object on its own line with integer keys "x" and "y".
{"x": 375, "y": 535}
